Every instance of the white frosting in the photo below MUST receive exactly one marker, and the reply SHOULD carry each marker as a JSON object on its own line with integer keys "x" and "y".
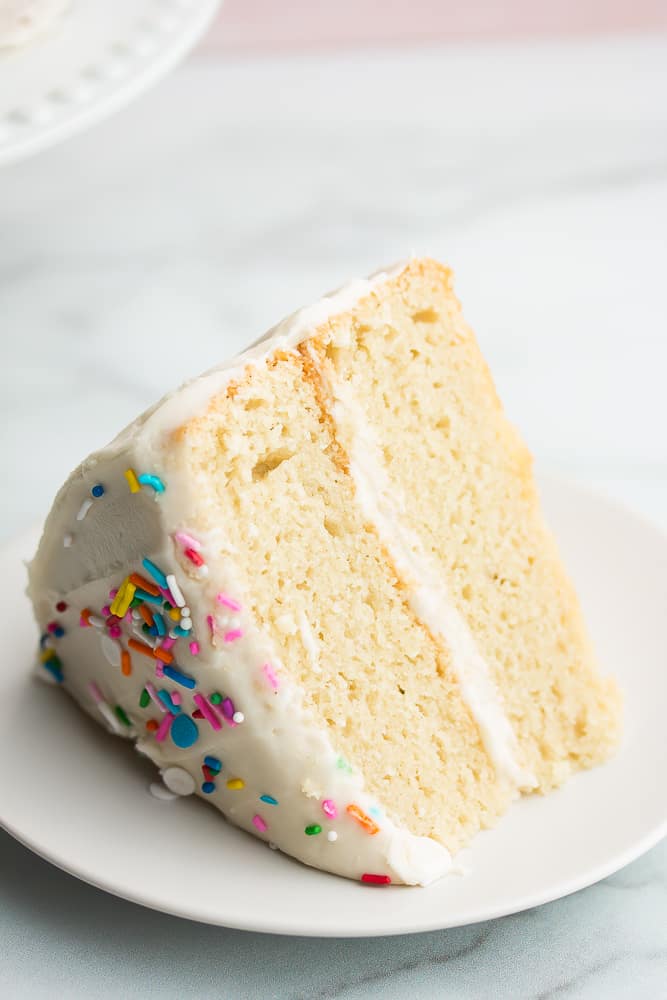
{"x": 23, "y": 20}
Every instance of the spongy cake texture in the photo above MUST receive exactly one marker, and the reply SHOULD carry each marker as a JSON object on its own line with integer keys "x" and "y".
{"x": 383, "y": 526}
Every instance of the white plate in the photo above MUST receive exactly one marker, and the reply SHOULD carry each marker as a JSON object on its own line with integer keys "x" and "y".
{"x": 96, "y": 58}
{"x": 79, "y": 797}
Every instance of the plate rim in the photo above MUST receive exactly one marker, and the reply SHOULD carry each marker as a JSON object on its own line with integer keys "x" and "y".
{"x": 286, "y": 925}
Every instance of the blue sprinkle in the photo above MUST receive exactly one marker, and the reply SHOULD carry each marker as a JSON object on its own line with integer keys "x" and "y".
{"x": 98, "y": 490}
{"x": 58, "y": 631}
{"x": 184, "y": 732}
{"x": 146, "y": 479}
{"x": 159, "y": 623}
{"x": 54, "y": 668}
{"x": 213, "y": 763}
{"x": 168, "y": 703}
{"x": 268, "y": 798}
{"x": 180, "y": 631}
{"x": 179, "y": 677}
{"x": 143, "y": 595}
{"x": 208, "y": 787}
{"x": 150, "y": 631}
{"x": 156, "y": 573}
{"x": 375, "y": 811}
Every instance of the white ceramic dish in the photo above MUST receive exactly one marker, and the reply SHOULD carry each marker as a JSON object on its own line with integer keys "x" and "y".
{"x": 80, "y": 798}
{"x": 96, "y": 58}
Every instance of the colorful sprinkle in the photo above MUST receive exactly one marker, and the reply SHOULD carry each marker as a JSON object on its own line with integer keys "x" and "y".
{"x": 54, "y": 667}
{"x": 329, "y": 808}
{"x": 208, "y": 787}
{"x": 259, "y": 823}
{"x": 148, "y": 479}
{"x": 238, "y": 718}
{"x": 61, "y": 606}
{"x": 122, "y": 715}
{"x": 152, "y": 725}
{"x": 153, "y": 695}
{"x": 175, "y": 590}
{"x": 233, "y": 635}
{"x": 214, "y": 764}
{"x": 144, "y": 595}
{"x": 156, "y": 573}
{"x": 158, "y": 621}
{"x": 215, "y": 698}
{"x": 144, "y": 698}
{"x": 236, "y": 784}
{"x": 84, "y": 508}
{"x": 376, "y": 879}
{"x": 165, "y": 698}
{"x": 270, "y": 675}
{"x": 228, "y": 601}
{"x": 163, "y": 728}
{"x": 194, "y": 648}
{"x": 176, "y": 697}
{"x": 313, "y": 830}
{"x": 123, "y": 598}
{"x": 193, "y": 556}
{"x": 163, "y": 654}
{"x": 269, "y": 799}
{"x": 143, "y": 584}
{"x": 141, "y": 647}
{"x": 228, "y": 708}
{"x": 357, "y": 813}
{"x": 184, "y": 731}
{"x": 207, "y": 711}
{"x": 97, "y": 490}
{"x": 179, "y": 678}
{"x": 56, "y": 629}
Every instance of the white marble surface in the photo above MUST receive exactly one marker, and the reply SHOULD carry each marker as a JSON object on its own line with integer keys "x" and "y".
{"x": 144, "y": 251}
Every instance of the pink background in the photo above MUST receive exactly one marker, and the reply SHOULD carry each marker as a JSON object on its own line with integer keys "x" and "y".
{"x": 275, "y": 24}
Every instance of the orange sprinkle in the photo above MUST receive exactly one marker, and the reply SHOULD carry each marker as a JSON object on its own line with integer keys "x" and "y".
{"x": 145, "y": 614}
{"x": 85, "y": 615}
{"x": 125, "y": 663}
{"x": 140, "y": 647}
{"x": 151, "y": 725}
{"x": 163, "y": 654}
{"x": 139, "y": 581}
{"x": 356, "y": 812}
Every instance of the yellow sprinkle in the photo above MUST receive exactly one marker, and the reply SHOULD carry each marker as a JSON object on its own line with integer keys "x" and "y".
{"x": 132, "y": 480}
{"x": 235, "y": 783}
{"x": 123, "y": 598}
{"x": 47, "y": 654}
{"x": 175, "y": 614}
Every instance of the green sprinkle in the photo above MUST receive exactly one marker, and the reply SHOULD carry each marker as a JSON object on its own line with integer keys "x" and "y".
{"x": 122, "y": 716}
{"x": 215, "y": 698}
{"x": 145, "y": 628}
{"x": 167, "y": 606}
{"x": 312, "y": 830}
{"x": 343, "y": 765}
{"x": 144, "y": 698}
{"x": 135, "y": 602}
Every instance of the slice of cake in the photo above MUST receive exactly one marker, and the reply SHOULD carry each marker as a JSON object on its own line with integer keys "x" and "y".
{"x": 315, "y": 586}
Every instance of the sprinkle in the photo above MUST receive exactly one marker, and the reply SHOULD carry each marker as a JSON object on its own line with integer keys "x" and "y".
{"x": 179, "y": 678}
{"x": 178, "y": 780}
{"x": 67, "y": 540}
{"x": 174, "y": 614}
{"x": 144, "y": 595}
{"x": 175, "y": 590}
{"x": 260, "y": 823}
{"x": 84, "y": 508}
{"x": 270, "y": 675}
{"x": 55, "y": 628}
{"x": 168, "y": 643}
{"x": 106, "y": 611}
{"x": 147, "y": 479}
{"x": 61, "y": 606}
{"x": 123, "y": 598}
{"x": 233, "y": 635}
{"x": 214, "y": 764}
{"x": 180, "y": 632}
{"x": 228, "y": 601}
{"x": 329, "y": 808}
{"x": 215, "y": 698}
{"x": 208, "y": 787}
{"x": 163, "y": 728}
{"x": 332, "y": 836}
{"x": 186, "y": 623}
{"x": 197, "y": 714}
{"x": 184, "y": 731}
{"x": 167, "y": 702}
{"x": 84, "y": 618}
{"x": 140, "y": 647}
{"x": 236, "y": 784}
{"x": 95, "y": 692}
{"x": 96, "y": 621}
{"x": 269, "y": 799}
{"x": 54, "y": 667}
{"x": 343, "y": 765}
{"x": 158, "y": 621}
{"x": 115, "y": 631}
{"x": 144, "y": 698}
{"x": 122, "y": 715}
{"x": 97, "y": 490}
{"x": 143, "y": 584}
{"x": 193, "y": 556}
{"x": 228, "y": 708}
{"x": 156, "y": 573}
{"x": 132, "y": 480}
{"x": 238, "y": 718}
{"x": 313, "y": 830}
{"x": 210, "y": 621}
{"x": 153, "y": 695}
{"x": 151, "y": 725}
{"x": 176, "y": 697}
{"x": 163, "y": 654}
{"x": 207, "y": 711}
{"x": 146, "y": 615}
{"x": 356, "y": 812}
{"x": 376, "y": 879}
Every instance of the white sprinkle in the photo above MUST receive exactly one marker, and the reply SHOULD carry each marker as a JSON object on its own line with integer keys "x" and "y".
{"x": 332, "y": 836}
{"x": 67, "y": 540}
{"x": 96, "y": 621}
{"x": 186, "y": 611}
{"x": 238, "y": 718}
{"x": 158, "y": 791}
{"x": 176, "y": 591}
{"x": 84, "y": 508}
{"x": 178, "y": 780}
{"x": 135, "y": 615}
{"x": 111, "y": 650}
{"x": 186, "y": 623}
{"x": 203, "y": 570}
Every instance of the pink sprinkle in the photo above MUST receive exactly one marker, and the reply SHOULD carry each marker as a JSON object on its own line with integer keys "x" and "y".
{"x": 83, "y": 622}
{"x": 210, "y": 621}
{"x": 166, "y": 594}
{"x": 52, "y": 627}
{"x": 128, "y": 618}
{"x": 159, "y": 669}
{"x": 163, "y": 728}
{"x": 228, "y": 708}
{"x": 185, "y": 539}
{"x": 270, "y": 675}
{"x": 233, "y": 635}
{"x": 207, "y": 711}
{"x": 168, "y": 643}
{"x": 112, "y": 593}
{"x": 260, "y": 823}
{"x": 194, "y": 557}
{"x": 152, "y": 693}
{"x": 95, "y": 691}
{"x": 228, "y": 601}
{"x": 329, "y": 808}
{"x": 115, "y": 631}
{"x": 175, "y": 697}
{"x": 106, "y": 611}
{"x": 194, "y": 648}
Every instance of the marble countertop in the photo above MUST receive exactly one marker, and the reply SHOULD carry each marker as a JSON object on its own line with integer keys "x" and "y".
{"x": 142, "y": 252}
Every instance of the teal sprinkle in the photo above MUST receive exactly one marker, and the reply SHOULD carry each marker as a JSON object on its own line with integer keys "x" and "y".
{"x": 268, "y": 799}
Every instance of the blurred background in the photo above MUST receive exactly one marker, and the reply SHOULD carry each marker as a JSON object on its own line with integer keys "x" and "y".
{"x": 302, "y": 144}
